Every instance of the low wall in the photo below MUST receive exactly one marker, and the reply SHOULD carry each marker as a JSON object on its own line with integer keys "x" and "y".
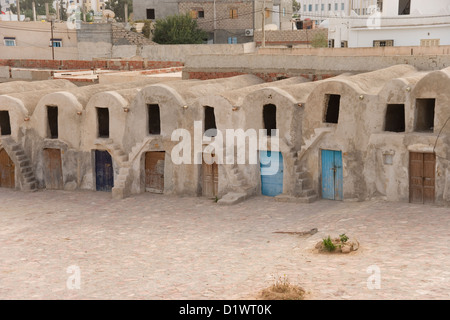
{"x": 360, "y": 52}
{"x": 113, "y": 64}
{"x": 289, "y": 37}
{"x": 315, "y": 67}
{"x": 180, "y": 52}
{"x": 4, "y": 72}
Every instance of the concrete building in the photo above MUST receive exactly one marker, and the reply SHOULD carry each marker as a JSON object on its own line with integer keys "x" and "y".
{"x": 225, "y": 21}
{"x": 393, "y": 23}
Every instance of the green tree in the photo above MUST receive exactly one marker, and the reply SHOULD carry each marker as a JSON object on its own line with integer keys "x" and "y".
{"x": 62, "y": 12}
{"x": 296, "y": 6}
{"x": 320, "y": 40}
{"x": 118, "y": 7}
{"x": 147, "y": 28}
{"x": 26, "y": 7}
{"x": 178, "y": 29}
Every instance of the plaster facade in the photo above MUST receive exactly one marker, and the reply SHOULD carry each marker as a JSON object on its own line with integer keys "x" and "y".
{"x": 376, "y": 121}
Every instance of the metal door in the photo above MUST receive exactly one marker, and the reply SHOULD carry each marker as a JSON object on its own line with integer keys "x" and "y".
{"x": 104, "y": 173}
{"x": 332, "y": 175}
{"x": 6, "y": 170}
{"x": 422, "y": 177}
{"x": 154, "y": 171}
{"x": 53, "y": 169}
{"x": 271, "y": 165}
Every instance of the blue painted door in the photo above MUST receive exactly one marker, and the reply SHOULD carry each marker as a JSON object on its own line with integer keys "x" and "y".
{"x": 332, "y": 176}
{"x": 104, "y": 174}
{"x": 271, "y": 165}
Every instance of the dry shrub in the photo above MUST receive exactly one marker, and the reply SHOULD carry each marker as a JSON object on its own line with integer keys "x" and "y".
{"x": 282, "y": 289}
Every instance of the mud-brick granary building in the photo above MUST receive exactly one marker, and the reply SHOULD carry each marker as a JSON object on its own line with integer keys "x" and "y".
{"x": 382, "y": 134}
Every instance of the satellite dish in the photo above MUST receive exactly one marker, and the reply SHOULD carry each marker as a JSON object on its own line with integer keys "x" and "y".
{"x": 109, "y": 14}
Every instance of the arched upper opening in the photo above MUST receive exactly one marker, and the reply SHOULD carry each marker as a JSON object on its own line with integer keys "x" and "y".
{"x": 270, "y": 118}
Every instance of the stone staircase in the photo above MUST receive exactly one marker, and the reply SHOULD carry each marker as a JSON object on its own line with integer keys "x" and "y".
{"x": 122, "y": 183}
{"x": 114, "y": 149}
{"x": 303, "y": 184}
{"x": 21, "y": 160}
{"x": 316, "y": 136}
{"x": 302, "y": 190}
{"x": 241, "y": 189}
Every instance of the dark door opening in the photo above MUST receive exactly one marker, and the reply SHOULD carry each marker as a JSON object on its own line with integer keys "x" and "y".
{"x": 395, "y": 118}
{"x": 103, "y": 122}
{"x": 270, "y": 118}
{"x": 210, "y": 122}
{"x": 154, "y": 119}
{"x": 425, "y": 109}
{"x": 154, "y": 171}
{"x": 52, "y": 117}
{"x": 104, "y": 173}
{"x": 5, "y": 123}
{"x": 332, "y": 102}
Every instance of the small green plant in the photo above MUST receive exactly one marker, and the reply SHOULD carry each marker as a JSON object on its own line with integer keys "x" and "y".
{"x": 343, "y": 238}
{"x": 328, "y": 244}
{"x": 216, "y": 199}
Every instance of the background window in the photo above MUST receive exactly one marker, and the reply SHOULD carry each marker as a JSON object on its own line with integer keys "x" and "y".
{"x": 404, "y": 7}
{"x": 233, "y": 13}
{"x": 151, "y": 14}
{"x": 57, "y": 43}
{"x": 9, "y": 41}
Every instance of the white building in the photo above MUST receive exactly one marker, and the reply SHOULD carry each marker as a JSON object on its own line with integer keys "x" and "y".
{"x": 392, "y": 23}
{"x": 320, "y": 10}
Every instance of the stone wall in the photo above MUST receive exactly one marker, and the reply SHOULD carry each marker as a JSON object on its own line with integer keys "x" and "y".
{"x": 289, "y": 37}
{"x": 121, "y": 36}
{"x": 314, "y": 67}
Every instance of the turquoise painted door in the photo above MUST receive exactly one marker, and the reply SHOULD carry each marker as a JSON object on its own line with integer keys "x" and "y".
{"x": 271, "y": 164}
{"x": 332, "y": 177}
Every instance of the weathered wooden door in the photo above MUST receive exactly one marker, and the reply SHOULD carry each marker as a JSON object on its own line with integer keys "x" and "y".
{"x": 271, "y": 165}
{"x": 210, "y": 184}
{"x": 332, "y": 175}
{"x": 422, "y": 168}
{"x": 6, "y": 170}
{"x": 53, "y": 169}
{"x": 104, "y": 173}
{"x": 154, "y": 171}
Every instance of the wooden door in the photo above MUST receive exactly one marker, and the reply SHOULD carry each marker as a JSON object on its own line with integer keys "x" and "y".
{"x": 210, "y": 184}
{"x": 422, "y": 168}
{"x": 271, "y": 166}
{"x": 154, "y": 171}
{"x": 332, "y": 175}
{"x": 53, "y": 169}
{"x": 104, "y": 173}
{"x": 6, "y": 170}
